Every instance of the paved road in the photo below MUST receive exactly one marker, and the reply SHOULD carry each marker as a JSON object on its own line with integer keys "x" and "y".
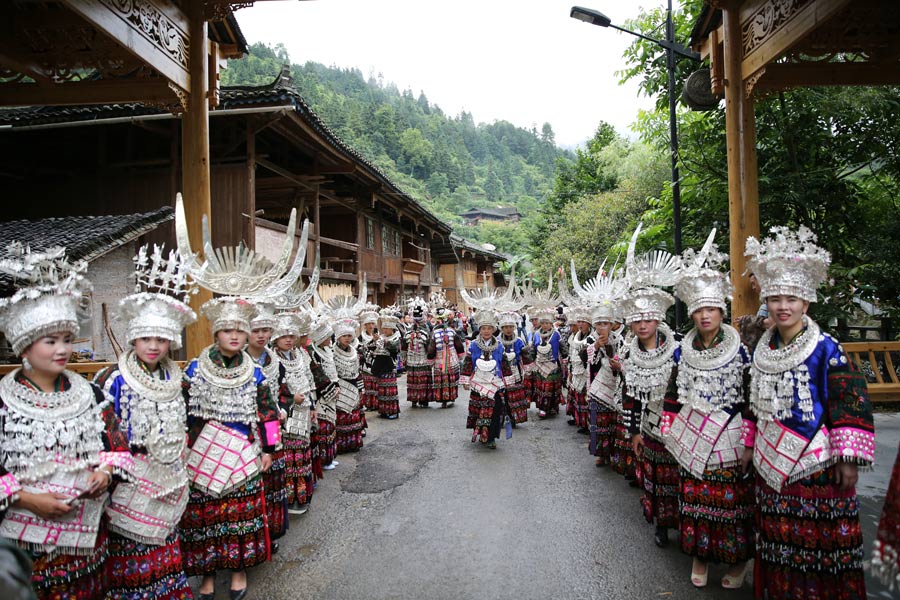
{"x": 422, "y": 513}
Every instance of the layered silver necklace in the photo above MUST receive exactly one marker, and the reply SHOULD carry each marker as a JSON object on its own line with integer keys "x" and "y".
{"x": 296, "y": 369}
{"x": 46, "y": 432}
{"x": 224, "y": 394}
{"x": 152, "y": 409}
{"x": 270, "y": 370}
{"x": 711, "y": 379}
{"x": 326, "y": 359}
{"x": 487, "y": 347}
{"x": 777, "y": 373}
{"x": 647, "y": 372}
{"x": 346, "y": 361}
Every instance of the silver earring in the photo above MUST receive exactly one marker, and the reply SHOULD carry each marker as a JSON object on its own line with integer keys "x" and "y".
{"x": 26, "y": 364}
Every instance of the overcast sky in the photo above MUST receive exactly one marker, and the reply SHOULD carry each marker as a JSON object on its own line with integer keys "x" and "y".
{"x": 524, "y": 62}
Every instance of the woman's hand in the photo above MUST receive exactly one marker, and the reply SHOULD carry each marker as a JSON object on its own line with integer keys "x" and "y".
{"x": 846, "y": 475}
{"x": 266, "y": 462}
{"x": 98, "y": 483}
{"x": 746, "y": 461}
{"x": 637, "y": 444}
{"x": 47, "y": 506}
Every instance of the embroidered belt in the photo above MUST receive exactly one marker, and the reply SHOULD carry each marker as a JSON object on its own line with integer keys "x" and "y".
{"x": 142, "y": 510}
{"x": 486, "y": 383}
{"x": 782, "y": 456}
{"x": 603, "y": 388}
{"x": 73, "y": 533}
{"x": 222, "y": 459}
{"x": 699, "y": 441}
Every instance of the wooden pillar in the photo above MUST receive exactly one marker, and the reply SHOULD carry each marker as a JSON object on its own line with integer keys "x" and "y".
{"x": 316, "y": 221}
{"x": 250, "y": 231}
{"x": 195, "y": 161}
{"x": 740, "y": 135}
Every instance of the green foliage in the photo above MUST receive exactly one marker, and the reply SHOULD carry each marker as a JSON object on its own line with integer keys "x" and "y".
{"x": 449, "y": 163}
{"x": 829, "y": 158}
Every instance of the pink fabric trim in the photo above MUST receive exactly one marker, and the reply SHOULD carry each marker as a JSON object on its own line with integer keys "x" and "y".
{"x": 748, "y": 433}
{"x": 464, "y": 380}
{"x": 852, "y": 443}
{"x": 273, "y": 432}
{"x": 665, "y": 422}
{"x": 9, "y": 490}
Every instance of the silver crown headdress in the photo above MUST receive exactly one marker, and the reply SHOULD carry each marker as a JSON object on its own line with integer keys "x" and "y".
{"x": 238, "y": 270}
{"x": 344, "y": 311}
{"x": 542, "y": 303}
{"x": 229, "y": 312}
{"x": 701, "y": 283}
{"x": 49, "y": 295}
{"x": 387, "y": 318}
{"x": 289, "y": 323}
{"x": 158, "y": 307}
{"x": 265, "y": 315}
{"x": 645, "y": 276}
{"x": 299, "y": 294}
{"x": 788, "y": 263}
{"x": 369, "y": 314}
{"x": 493, "y": 300}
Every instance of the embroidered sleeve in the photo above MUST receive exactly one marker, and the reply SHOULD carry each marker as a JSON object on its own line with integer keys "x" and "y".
{"x": 267, "y": 411}
{"x": 671, "y": 405}
{"x": 468, "y": 365}
{"x": 116, "y": 452}
{"x": 431, "y": 348}
{"x": 631, "y": 411}
{"x": 850, "y": 418}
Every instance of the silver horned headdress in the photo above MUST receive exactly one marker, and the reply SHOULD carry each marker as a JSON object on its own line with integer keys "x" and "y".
{"x": 701, "y": 283}
{"x": 646, "y": 275}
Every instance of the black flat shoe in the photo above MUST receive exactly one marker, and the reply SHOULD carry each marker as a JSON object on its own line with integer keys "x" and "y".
{"x": 661, "y": 537}
{"x": 274, "y": 548}
{"x": 238, "y": 594}
{"x": 570, "y": 422}
{"x": 584, "y": 430}
{"x": 209, "y": 596}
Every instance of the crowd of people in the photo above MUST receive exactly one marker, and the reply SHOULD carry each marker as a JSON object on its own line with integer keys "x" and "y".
{"x": 124, "y": 487}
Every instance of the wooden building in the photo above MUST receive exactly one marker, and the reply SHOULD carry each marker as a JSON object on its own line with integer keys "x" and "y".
{"x": 269, "y": 153}
{"x": 500, "y": 214}
{"x": 757, "y": 47}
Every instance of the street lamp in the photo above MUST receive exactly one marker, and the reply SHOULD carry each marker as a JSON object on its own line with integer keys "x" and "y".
{"x": 589, "y": 15}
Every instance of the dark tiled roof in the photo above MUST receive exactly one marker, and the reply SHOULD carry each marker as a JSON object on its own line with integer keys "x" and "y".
{"x": 463, "y": 243}
{"x": 503, "y": 212}
{"x": 279, "y": 93}
{"x": 84, "y": 238}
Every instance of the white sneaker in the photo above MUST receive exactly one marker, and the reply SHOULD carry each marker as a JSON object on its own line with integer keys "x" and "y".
{"x": 328, "y": 467}
{"x": 335, "y": 463}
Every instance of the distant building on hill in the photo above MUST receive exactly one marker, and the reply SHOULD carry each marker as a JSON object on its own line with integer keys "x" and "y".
{"x": 474, "y": 216}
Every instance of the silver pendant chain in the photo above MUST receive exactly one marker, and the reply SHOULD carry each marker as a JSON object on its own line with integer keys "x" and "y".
{"x": 711, "y": 379}
{"x": 777, "y": 373}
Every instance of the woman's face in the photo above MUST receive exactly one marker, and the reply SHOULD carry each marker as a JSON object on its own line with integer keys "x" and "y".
{"x": 285, "y": 343}
{"x": 151, "y": 349}
{"x": 345, "y": 340}
{"x": 486, "y": 331}
{"x": 231, "y": 341}
{"x": 387, "y": 331}
{"x": 787, "y": 311}
{"x": 546, "y": 326}
{"x": 50, "y": 354}
{"x": 370, "y": 327}
{"x": 644, "y": 329}
{"x": 707, "y": 319}
{"x": 584, "y": 327}
{"x": 601, "y": 330}
{"x": 260, "y": 337}
{"x": 508, "y": 330}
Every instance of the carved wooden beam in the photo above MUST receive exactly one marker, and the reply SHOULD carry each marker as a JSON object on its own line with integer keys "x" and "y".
{"x": 789, "y": 75}
{"x": 769, "y": 28}
{"x": 155, "y": 92}
{"x": 154, "y": 31}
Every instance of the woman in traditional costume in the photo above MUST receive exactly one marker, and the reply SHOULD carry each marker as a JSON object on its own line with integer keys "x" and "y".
{"x": 60, "y": 439}
{"x": 577, "y": 380}
{"x": 350, "y": 423}
{"x": 547, "y": 388}
{"x": 229, "y": 405}
{"x": 813, "y": 429}
{"x": 325, "y": 379}
{"x": 384, "y": 366}
{"x": 886, "y": 556}
{"x": 702, "y": 425}
{"x": 605, "y": 388}
{"x": 275, "y": 479}
{"x": 512, "y": 350}
{"x": 414, "y": 351}
{"x": 444, "y": 351}
{"x": 368, "y": 337}
{"x": 483, "y": 376}
{"x": 145, "y": 559}
{"x": 295, "y": 397}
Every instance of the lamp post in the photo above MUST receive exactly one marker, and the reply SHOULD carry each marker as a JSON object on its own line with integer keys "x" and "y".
{"x": 594, "y": 17}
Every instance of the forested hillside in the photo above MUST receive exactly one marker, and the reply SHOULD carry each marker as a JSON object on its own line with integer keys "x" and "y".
{"x": 448, "y": 162}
